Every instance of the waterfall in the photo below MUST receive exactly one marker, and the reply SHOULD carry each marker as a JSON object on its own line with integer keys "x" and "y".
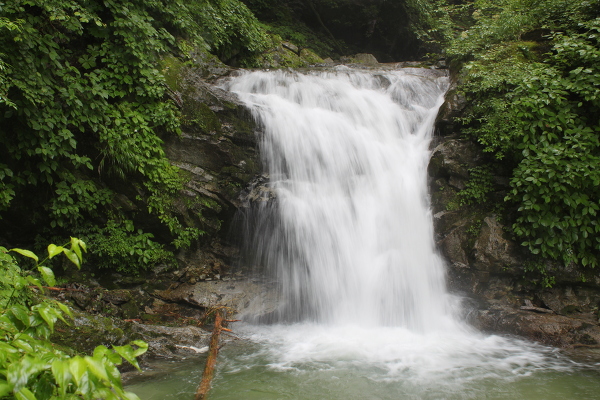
{"x": 349, "y": 237}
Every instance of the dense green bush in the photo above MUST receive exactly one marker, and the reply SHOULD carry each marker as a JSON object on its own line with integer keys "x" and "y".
{"x": 119, "y": 246}
{"x": 83, "y": 105}
{"x": 533, "y": 105}
{"x": 478, "y": 187}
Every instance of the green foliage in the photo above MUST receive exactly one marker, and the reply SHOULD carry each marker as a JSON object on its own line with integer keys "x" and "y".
{"x": 162, "y": 203}
{"x": 87, "y": 97}
{"x": 230, "y": 28}
{"x": 83, "y": 104}
{"x": 300, "y": 35}
{"x": 475, "y": 228}
{"x": 490, "y": 82}
{"x": 13, "y": 286}
{"x": 120, "y": 247}
{"x": 557, "y": 184}
{"x": 472, "y": 27}
{"x": 435, "y": 21}
{"x": 538, "y": 272}
{"x": 15, "y": 283}
{"x": 478, "y": 187}
{"x": 534, "y": 105}
{"x": 31, "y": 366}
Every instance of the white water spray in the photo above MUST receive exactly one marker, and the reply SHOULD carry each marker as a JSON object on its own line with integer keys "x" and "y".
{"x": 347, "y": 154}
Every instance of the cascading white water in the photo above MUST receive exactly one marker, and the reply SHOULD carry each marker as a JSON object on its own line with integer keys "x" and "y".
{"x": 347, "y": 154}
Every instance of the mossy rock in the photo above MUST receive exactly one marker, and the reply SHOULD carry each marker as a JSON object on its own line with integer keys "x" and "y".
{"x": 285, "y": 54}
{"x": 86, "y": 332}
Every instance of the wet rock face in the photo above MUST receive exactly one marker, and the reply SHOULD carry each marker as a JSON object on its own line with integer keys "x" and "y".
{"x": 217, "y": 147}
{"x": 451, "y": 109}
{"x": 217, "y": 155}
{"x": 87, "y": 331}
{"x": 551, "y": 329}
{"x": 492, "y": 250}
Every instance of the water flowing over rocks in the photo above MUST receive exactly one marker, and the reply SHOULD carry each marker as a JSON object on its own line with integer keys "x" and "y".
{"x": 346, "y": 151}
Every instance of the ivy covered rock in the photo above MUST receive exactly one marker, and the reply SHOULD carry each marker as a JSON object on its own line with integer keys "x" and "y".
{"x": 85, "y": 110}
{"x": 511, "y": 291}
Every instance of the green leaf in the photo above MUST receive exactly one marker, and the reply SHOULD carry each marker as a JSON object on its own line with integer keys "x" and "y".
{"x": 25, "y": 394}
{"x": 142, "y": 347}
{"x": 82, "y": 244}
{"x": 72, "y": 257}
{"x": 34, "y": 281}
{"x": 101, "y": 351}
{"x": 7, "y": 349}
{"x": 24, "y": 343}
{"x": 131, "y": 396}
{"x": 26, "y": 253}
{"x": 64, "y": 309}
{"x": 77, "y": 367}
{"x": 127, "y": 353}
{"x": 47, "y": 275}
{"x": 22, "y": 314}
{"x": 97, "y": 368}
{"x": 62, "y": 375}
{"x": 18, "y": 374}
{"x": 48, "y": 314}
{"x": 75, "y": 248}
{"x": 5, "y": 388}
{"x": 54, "y": 250}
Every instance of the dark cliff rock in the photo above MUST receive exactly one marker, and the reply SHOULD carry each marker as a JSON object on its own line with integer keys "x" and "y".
{"x": 451, "y": 109}
{"x": 217, "y": 152}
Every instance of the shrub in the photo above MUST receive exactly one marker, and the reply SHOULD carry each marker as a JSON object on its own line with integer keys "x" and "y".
{"x": 31, "y": 366}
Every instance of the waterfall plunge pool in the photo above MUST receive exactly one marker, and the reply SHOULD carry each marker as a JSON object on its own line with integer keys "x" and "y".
{"x": 309, "y": 361}
{"x": 364, "y": 310}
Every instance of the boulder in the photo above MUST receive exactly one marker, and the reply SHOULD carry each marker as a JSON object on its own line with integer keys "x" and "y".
{"x": 240, "y": 296}
{"x": 452, "y": 108}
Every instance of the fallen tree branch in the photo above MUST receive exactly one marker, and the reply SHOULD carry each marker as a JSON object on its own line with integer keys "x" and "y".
{"x": 58, "y": 289}
{"x": 530, "y": 307}
{"x": 211, "y": 361}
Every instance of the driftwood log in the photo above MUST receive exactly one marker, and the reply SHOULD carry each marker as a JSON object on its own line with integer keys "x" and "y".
{"x": 211, "y": 361}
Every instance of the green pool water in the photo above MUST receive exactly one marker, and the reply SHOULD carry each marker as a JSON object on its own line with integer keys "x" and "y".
{"x": 299, "y": 362}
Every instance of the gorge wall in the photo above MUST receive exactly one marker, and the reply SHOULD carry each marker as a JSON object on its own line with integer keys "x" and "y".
{"x": 558, "y": 306}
